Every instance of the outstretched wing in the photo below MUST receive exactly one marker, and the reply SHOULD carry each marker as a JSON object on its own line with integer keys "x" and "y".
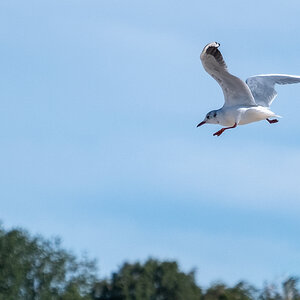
{"x": 235, "y": 91}
{"x": 262, "y": 86}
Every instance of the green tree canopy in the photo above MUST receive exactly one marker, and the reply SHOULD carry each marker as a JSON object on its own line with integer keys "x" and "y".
{"x": 152, "y": 280}
{"x": 32, "y": 268}
{"x": 241, "y": 291}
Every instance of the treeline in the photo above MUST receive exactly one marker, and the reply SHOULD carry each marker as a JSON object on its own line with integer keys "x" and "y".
{"x": 33, "y": 268}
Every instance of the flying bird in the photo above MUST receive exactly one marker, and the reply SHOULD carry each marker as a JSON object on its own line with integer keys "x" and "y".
{"x": 245, "y": 102}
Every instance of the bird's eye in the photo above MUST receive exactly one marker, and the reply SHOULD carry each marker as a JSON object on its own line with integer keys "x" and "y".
{"x": 207, "y": 117}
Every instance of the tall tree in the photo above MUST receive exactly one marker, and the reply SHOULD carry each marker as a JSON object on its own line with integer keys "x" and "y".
{"x": 37, "y": 269}
{"x": 287, "y": 291}
{"x": 153, "y": 280}
{"x": 290, "y": 289}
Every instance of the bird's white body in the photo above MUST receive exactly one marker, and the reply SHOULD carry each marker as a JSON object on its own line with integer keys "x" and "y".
{"x": 245, "y": 102}
{"x": 241, "y": 115}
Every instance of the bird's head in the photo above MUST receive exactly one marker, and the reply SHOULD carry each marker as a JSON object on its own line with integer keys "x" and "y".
{"x": 210, "y": 118}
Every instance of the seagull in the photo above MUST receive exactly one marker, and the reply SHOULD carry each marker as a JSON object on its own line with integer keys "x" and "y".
{"x": 245, "y": 102}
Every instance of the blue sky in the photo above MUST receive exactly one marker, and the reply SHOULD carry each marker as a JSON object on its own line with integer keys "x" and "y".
{"x": 99, "y": 105}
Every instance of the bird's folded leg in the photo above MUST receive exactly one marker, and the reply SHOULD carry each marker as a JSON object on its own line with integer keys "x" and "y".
{"x": 272, "y": 121}
{"x": 218, "y": 133}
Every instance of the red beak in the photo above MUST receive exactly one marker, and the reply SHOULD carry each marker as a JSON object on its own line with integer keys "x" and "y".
{"x": 202, "y": 123}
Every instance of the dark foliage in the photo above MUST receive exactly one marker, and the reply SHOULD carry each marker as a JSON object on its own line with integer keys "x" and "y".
{"x": 32, "y": 268}
{"x": 153, "y": 280}
{"x": 37, "y": 269}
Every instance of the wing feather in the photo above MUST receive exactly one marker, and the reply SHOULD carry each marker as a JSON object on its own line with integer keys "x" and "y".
{"x": 263, "y": 86}
{"x": 235, "y": 91}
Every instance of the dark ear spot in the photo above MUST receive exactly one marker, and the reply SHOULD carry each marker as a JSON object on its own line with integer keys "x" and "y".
{"x": 215, "y": 114}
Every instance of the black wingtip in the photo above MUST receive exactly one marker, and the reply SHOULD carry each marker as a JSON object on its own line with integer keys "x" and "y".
{"x": 212, "y": 49}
